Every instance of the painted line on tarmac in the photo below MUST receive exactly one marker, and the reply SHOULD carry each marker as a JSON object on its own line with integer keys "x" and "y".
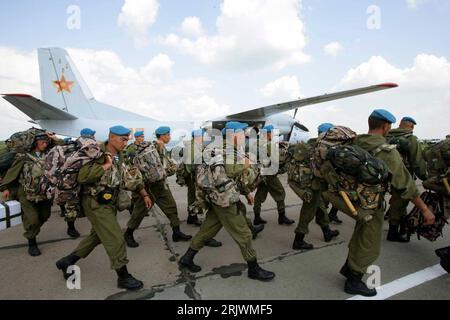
{"x": 400, "y": 285}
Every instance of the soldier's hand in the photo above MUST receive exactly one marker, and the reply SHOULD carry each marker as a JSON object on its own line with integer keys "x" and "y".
{"x": 429, "y": 217}
{"x": 250, "y": 199}
{"x": 5, "y": 195}
{"x": 148, "y": 202}
{"x": 160, "y": 144}
{"x": 108, "y": 162}
{"x": 51, "y": 135}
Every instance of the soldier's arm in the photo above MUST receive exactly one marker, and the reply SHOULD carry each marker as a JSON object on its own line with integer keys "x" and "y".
{"x": 13, "y": 173}
{"x": 403, "y": 182}
{"x": 91, "y": 172}
{"x": 416, "y": 159}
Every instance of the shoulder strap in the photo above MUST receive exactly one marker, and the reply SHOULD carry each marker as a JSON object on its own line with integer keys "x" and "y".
{"x": 383, "y": 147}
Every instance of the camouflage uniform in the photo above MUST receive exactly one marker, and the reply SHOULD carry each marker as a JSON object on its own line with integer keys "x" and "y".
{"x": 364, "y": 246}
{"x": 416, "y": 166}
{"x": 35, "y": 213}
{"x": 105, "y": 227}
{"x": 231, "y": 217}
{"x": 161, "y": 195}
{"x": 309, "y": 190}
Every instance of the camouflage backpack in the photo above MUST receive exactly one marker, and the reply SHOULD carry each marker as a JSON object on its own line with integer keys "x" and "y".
{"x": 438, "y": 165}
{"x": 22, "y": 142}
{"x": 62, "y": 165}
{"x": 338, "y": 135}
{"x": 359, "y": 173}
{"x": 401, "y": 141}
{"x": 284, "y": 157}
{"x": 213, "y": 181}
{"x": 33, "y": 180}
{"x": 415, "y": 220}
{"x": 299, "y": 167}
{"x": 438, "y": 157}
{"x": 149, "y": 163}
{"x": 6, "y": 160}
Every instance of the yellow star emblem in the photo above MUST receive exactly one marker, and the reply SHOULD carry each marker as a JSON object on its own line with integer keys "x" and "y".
{"x": 63, "y": 84}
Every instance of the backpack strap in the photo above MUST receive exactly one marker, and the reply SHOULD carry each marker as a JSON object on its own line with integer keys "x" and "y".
{"x": 384, "y": 147}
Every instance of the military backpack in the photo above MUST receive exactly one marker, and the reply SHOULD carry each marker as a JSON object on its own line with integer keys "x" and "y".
{"x": 338, "y": 135}
{"x": 148, "y": 161}
{"x": 32, "y": 178}
{"x": 416, "y": 222}
{"x": 62, "y": 165}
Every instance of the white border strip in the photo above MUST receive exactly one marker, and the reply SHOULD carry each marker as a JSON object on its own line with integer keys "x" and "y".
{"x": 410, "y": 281}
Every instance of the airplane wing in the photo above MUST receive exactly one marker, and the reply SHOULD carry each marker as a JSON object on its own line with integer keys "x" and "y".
{"x": 37, "y": 109}
{"x": 282, "y": 107}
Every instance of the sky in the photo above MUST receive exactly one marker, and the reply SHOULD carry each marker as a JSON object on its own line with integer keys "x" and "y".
{"x": 201, "y": 59}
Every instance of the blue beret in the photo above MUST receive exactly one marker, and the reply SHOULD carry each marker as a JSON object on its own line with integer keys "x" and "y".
{"x": 324, "y": 127}
{"x": 409, "y": 119}
{"x": 120, "y": 131}
{"x": 162, "y": 130}
{"x": 198, "y": 133}
{"x": 138, "y": 134}
{"x": 269, "y": 128}
{"x": 236, "y": 126}
{"x": 384, "y": 115}
{"x": 87, "y": 132}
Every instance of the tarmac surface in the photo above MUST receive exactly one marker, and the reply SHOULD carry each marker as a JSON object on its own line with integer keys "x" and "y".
{"x": 311, "y": 275}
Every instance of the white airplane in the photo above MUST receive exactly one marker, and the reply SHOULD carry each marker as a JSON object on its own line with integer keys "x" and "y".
{"x": 67, "y": 106}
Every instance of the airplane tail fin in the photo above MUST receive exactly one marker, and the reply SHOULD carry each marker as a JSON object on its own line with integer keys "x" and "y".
{"x": 62, "y": 85}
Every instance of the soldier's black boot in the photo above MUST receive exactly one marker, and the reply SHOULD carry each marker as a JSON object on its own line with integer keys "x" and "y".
{"x": 282, "y": 219}
{"x": 129, "y": 238}
{"x": 257, "y": 273}
{"x": 394, "y": 235}
{"x": 62, "y": 212}
{"x": 329, "y": 234}
{"x": 333, "y": 216}
{"x": 64, "y": 263}
{"x": 127, "y": 281}
{"x": 256, "y": 229}
{"x": 300, "y": 243}
{"x": 345, "y": 270}
{"x": 355, "y": 285}
{"x": 71, "y": 230}
{"x": 33, "y": 249}
{"x": 404, "y": 230}
{"x": 187, "y": 261}
{"x": 179, "y": 236}
{"x": 258, "y": 220}
{"x": 213, "y": 243}
{"x": 193, "y": 219}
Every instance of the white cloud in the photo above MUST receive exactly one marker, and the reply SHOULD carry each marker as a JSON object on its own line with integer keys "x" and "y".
{"x": 285, "y": 88}
{"x": 137, "y": 16}
{"x": 250, "y": 34}
{"x": 423, "y": 93}
{"x": 204, "y": 107}
{"x": 333, "y": 48}
{"x": 159, "y": 67}
{"x": 428, "y": 72}
{"x": 192, "y": 26}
